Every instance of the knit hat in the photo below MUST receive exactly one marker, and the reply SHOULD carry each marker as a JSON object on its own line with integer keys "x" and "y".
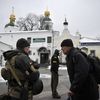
{"x": 22, "y": 43}
{"x": 67, "y": 42}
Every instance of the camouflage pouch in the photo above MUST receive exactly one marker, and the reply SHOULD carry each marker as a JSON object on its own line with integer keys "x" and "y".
{"x": 6, "y": 74}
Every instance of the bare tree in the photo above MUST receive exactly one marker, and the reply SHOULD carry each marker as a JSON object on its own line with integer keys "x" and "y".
{"x": 29, "y": 23}
{"x": 22, "y": 25}
{"x": 41, "y": 18}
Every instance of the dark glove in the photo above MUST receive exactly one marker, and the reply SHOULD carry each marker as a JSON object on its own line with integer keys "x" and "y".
{"x": 33, "y": 76}
{"x": 35, "y": 64}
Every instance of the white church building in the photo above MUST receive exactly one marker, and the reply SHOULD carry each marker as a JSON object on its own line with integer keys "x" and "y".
{"x": 43, "y": 42}
{"x": 41, "y": 45}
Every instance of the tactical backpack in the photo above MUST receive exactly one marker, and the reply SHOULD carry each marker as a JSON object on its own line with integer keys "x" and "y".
{"x": 10, "y": 72}
{"x": 94, "y": 65}
{"x": 94, "y": 68}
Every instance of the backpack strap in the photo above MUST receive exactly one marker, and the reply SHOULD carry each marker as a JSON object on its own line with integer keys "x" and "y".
{"x": 12, "y": 69}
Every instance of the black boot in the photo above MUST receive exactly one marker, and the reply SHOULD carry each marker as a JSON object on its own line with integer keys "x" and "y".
{"x": 56, "y": 96}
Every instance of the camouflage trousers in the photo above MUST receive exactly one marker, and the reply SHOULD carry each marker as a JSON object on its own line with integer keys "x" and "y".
{"x": 15, "y": 94}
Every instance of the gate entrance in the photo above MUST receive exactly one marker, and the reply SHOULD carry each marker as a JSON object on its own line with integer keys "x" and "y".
{"x": 44, "y": 55}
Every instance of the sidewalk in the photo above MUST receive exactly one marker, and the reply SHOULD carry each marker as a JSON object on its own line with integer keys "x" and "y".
{"x": 45, "y": 76}
{"x": 46, "y": 94}
{"x": 62, "y": 86}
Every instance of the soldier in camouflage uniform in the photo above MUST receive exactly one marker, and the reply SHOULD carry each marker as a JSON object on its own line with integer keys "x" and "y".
{"x": 20, "y": 85}
{"x": 54, "y": 74}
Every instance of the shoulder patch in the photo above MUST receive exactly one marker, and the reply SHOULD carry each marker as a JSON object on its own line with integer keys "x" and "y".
{"x": 54, "y": 61}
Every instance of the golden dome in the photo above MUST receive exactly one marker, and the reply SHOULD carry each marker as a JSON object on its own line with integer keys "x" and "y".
{"x": 12, "y": 16}
{"x": 47, "y": 13}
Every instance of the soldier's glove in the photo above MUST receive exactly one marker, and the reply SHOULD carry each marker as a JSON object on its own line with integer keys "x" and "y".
{"x": 35, "y": 64}
{"x": 34, "y": 76}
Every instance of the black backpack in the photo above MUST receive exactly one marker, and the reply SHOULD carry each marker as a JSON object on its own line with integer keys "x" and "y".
{"x": 94, "y": 67}
{"x": 94, "y": 63}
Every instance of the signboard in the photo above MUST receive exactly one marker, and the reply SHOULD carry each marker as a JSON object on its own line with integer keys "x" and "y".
{"x": 38, "y": 39}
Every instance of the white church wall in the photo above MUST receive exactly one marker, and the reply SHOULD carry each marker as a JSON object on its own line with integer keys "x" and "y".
{"x": 12, "y": 37}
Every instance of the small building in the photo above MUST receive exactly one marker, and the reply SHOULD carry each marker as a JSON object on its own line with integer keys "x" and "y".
{"x": 65, "y": 35}
{"x": 93, "y": 45}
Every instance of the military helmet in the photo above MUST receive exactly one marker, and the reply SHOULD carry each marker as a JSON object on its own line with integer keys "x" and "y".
{"x": 37, "y": 87}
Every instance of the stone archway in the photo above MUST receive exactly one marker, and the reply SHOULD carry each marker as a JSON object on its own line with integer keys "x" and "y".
{"x": 44, "y": 55}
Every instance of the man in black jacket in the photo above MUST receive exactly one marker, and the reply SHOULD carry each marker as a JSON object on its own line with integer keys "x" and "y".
{"x": 54, "y": 74}
{"x": 83, "y": 85}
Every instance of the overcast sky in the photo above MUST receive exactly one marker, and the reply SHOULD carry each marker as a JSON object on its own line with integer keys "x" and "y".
{"x": 82, "y": 15}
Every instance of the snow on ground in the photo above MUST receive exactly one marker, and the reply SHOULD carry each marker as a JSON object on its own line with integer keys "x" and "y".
{"x": 45, "y": 76}
{"x": 61, "y": 67}
{"x": 41, "y": 75}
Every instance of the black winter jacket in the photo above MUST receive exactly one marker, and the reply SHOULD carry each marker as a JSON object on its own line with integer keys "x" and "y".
{"x": 83, "y": 83}
{"x": 54, "y": 63}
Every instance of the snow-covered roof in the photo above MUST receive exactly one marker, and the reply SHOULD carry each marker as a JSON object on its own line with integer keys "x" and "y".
{"x": 89, "y": 40}
{"x": 19, "y": 32}
{"x": 5, "y": 44}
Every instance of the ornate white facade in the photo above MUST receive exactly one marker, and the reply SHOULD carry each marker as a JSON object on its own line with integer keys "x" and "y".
{"x": 44, "y": 42}
{"x": 41, "y": 43}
